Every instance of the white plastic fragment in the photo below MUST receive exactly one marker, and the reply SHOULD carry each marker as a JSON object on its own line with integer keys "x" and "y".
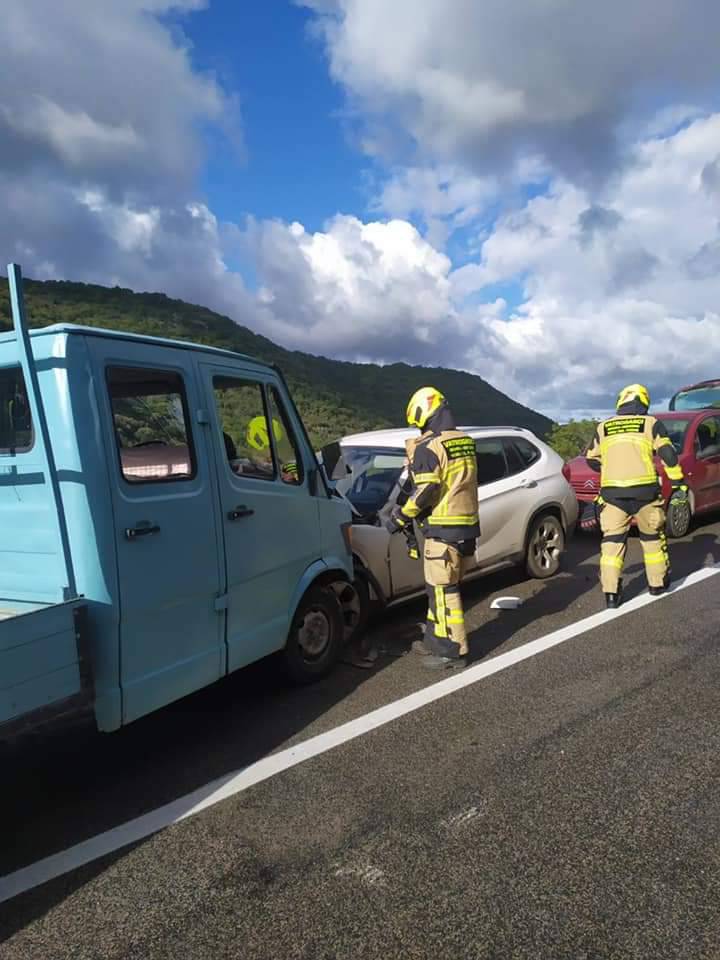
{"x": 506, "y": 603}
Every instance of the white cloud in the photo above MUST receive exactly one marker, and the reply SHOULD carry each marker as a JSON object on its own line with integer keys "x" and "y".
{"x": 620, "y": 282}
{"x": 104, "y": 92}
{"x": 484, "y": 82}
{"x": 623, "y": 289}
{"x": 364, "y": 290}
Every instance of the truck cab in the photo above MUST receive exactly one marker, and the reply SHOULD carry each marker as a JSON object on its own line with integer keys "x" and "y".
{"x": 163, "y": 522}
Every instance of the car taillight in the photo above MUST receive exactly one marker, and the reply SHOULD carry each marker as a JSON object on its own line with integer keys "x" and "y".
{"x": 566, "y": 471}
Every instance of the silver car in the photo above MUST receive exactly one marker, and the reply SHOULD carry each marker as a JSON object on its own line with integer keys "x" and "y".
{"x": 527, "y": 509}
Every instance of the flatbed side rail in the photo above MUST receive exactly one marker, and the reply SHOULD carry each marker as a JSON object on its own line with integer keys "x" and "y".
{"x": 37, "y": 408}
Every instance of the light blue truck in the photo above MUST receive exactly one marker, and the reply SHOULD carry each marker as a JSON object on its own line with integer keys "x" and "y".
{"x": 163, "y": 522}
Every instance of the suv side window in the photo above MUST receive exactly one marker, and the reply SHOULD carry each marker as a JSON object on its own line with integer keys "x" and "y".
{"x": 528, "y": 451}
{"x": 243, "y": 418}
{"x": 491, "y": 463}
{"x": 515, "y": 462}
{"x": 707, "y": 441}
{"x": 16, "y": 432}
{"x": 152, "y": 426}
{"x": 286, "y": 448}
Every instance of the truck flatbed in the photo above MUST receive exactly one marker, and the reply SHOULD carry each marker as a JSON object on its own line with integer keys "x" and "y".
{"x": 33, "y": 638}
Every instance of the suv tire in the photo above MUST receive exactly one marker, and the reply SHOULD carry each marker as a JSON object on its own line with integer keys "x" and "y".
{"x": 545, "y": 547}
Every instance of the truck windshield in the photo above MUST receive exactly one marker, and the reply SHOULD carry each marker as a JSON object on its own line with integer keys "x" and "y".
{"x": 373, "y": 474}
{"x": 701, "y": 398}
{"x": 676, "y": 429}
{"x": 16, "y": 435}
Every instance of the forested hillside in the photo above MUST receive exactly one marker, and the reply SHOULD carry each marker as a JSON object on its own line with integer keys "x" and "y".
{"x": 334, "y": 397}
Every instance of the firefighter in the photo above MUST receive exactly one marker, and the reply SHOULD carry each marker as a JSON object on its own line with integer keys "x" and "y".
{"x": 443, "y": 502}
{"x": 622, "y": 452}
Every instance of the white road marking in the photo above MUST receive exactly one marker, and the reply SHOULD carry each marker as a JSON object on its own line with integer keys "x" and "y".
{"x": 144, "y": 826}
{"x": 463, "y": 818}
{"x": 368, "y": 874}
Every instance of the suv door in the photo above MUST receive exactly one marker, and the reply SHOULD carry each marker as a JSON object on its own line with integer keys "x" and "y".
{"x": 164, "y": 503}
{"x": 270, "y": 521}
{"x": 706, "y": 474}
{"x": 506, "y": 494}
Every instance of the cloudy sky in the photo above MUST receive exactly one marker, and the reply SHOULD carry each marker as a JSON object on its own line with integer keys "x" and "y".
{"x": 529, "y": 191}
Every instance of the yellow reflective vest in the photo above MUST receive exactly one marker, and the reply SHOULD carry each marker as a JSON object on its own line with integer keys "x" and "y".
{"x": 624, "y": 448}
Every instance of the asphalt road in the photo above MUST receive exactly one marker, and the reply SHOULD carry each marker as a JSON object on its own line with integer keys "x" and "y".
{"x": 567, "y": 807}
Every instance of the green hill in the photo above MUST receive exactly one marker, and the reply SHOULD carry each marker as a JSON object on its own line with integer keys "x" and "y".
{"x": 334, "y": 397}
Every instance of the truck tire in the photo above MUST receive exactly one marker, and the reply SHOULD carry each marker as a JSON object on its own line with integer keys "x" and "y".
{"x": 545, "y": 547}
{"x": 316, "y": 637}
{"x": 678, "y": 520}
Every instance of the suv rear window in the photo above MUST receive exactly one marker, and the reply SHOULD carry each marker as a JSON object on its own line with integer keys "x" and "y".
{"x": 16, "y": 432}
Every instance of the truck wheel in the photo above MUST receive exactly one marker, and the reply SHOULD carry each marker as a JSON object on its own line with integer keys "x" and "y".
{"x": 679, "y": 518}
{"x": 316, "y": 636}
{"x": 545, "y": 546}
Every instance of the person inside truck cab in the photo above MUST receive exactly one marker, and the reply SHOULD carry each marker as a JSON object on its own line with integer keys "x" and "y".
{"x": 258, "y": 439}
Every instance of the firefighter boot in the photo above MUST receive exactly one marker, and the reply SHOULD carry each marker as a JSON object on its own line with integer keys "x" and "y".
{"x": 613, "y": 600}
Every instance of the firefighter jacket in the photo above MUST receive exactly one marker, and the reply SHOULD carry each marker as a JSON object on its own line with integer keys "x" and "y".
{"x": 622, "y": 451}
{"x": 444, "y": 494}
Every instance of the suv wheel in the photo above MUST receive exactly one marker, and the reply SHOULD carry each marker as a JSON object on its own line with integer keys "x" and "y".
{"x": 316, "y": 637}
{"x": 545, "y": 546}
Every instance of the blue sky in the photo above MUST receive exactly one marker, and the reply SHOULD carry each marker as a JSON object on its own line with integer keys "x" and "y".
{"x": 299, "y": 162}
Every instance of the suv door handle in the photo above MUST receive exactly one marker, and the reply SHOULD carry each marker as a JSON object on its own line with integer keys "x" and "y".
{"x": 528, "y": 484}
{"x": 141, "y": 530}
{"x": 239, "y": 512}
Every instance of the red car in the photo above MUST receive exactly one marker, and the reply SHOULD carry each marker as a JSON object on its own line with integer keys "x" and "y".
{"x": 696, "y": 437}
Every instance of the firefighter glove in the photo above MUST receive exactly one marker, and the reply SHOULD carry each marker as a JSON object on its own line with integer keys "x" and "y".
{"x": 679, "y": 493}
{"x": 396, "y": 522}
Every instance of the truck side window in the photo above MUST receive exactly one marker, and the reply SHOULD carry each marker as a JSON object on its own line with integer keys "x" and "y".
{"x": 291, "y": 467}
{"x": 151, "y": 423}
{"x": 16, "y": 433}
{"x": 243, "y": 420}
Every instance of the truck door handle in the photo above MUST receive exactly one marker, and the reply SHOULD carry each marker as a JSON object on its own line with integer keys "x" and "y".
{"x": 145, "y": 530}
{"x": 239, "y": 512}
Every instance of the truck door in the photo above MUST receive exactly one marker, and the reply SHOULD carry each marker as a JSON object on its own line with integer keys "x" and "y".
{"x": 165, "y": 511}
{"x": 270, "y": 520}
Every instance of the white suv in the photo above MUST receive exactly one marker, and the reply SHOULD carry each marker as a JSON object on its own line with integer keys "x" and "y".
{"x": 527, "y": 509}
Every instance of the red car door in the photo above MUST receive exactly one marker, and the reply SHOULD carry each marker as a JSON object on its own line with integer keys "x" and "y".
{"x": 704, "y": 476}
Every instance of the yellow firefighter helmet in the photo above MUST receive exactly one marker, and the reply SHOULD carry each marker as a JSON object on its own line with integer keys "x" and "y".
{"x": 258, "y": 435}
{"x": 424, "y": 403}
{"x": 636, "y": 391}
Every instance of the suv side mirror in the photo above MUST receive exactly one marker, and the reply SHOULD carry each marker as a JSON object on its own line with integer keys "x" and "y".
{"x": 333, "y": 463}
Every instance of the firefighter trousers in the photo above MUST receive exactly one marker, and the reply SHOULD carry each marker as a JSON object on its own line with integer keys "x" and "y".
{"x": 615, "y": 525}
{"x": 443, "y": 567}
